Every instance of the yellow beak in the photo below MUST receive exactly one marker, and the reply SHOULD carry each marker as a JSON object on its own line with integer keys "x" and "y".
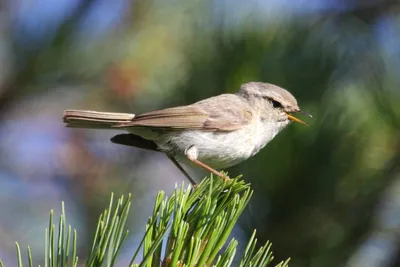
{"x": 290, "y": 117}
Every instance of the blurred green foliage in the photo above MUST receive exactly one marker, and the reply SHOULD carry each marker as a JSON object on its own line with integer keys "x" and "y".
{"x": 320, "y": 188}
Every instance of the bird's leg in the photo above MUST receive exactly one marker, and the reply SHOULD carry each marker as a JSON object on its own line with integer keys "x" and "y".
{"x": 191, "y": 153}
{"x": 176, "y": 163}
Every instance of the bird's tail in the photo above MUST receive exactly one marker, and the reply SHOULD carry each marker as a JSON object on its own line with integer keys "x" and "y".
{"x": 94, "y": 119}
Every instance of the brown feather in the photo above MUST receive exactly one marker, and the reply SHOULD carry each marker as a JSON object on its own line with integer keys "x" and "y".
{"x": 211, "y": 115}
{"x": 94, "y": 119}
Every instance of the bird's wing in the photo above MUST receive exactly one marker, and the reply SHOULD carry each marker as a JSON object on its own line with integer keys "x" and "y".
{"x": 221, "y": 113}
{"x": 135, "y": 141}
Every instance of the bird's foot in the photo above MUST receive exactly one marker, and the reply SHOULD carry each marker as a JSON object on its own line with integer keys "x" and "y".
{"x": 192, "y": 153}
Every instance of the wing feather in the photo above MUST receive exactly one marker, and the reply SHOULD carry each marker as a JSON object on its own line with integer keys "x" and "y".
{"x": 220, "y": 113}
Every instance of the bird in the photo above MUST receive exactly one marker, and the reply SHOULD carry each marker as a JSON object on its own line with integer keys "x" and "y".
{"x": 214, "y": 133}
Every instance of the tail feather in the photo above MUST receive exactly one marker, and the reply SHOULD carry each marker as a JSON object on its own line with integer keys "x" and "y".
{"x": 94, "y": 119}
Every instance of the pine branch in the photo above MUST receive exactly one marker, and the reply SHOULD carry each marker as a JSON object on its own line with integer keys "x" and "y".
{"x": 193, "y": 226}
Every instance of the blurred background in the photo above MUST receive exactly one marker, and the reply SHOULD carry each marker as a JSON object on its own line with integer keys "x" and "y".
{"x": 326, "y": 195}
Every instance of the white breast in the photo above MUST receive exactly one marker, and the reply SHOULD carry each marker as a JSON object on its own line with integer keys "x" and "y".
{"x": 222, "y": 149}
{"x": 264, "y": 132}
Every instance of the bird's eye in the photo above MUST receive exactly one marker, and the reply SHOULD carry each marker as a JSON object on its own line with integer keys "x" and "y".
{"x": 276, "y": 104}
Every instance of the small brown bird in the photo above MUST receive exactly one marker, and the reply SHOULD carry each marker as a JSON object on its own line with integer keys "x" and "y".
{"x": 215, "y": 133}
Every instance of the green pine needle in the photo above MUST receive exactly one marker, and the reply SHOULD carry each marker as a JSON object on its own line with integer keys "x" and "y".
{"x": 19, "y": 255}
{"x": 30, "y": 257}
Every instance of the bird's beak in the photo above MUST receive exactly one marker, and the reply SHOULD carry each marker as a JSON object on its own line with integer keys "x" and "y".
{"x": 292, "y": 118}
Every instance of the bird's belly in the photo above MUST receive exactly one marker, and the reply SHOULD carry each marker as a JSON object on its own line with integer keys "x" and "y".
{"x": 218, "y": 149}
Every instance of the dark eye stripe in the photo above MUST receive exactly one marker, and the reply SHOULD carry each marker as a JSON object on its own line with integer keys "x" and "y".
{"x": 276, "y": 104}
